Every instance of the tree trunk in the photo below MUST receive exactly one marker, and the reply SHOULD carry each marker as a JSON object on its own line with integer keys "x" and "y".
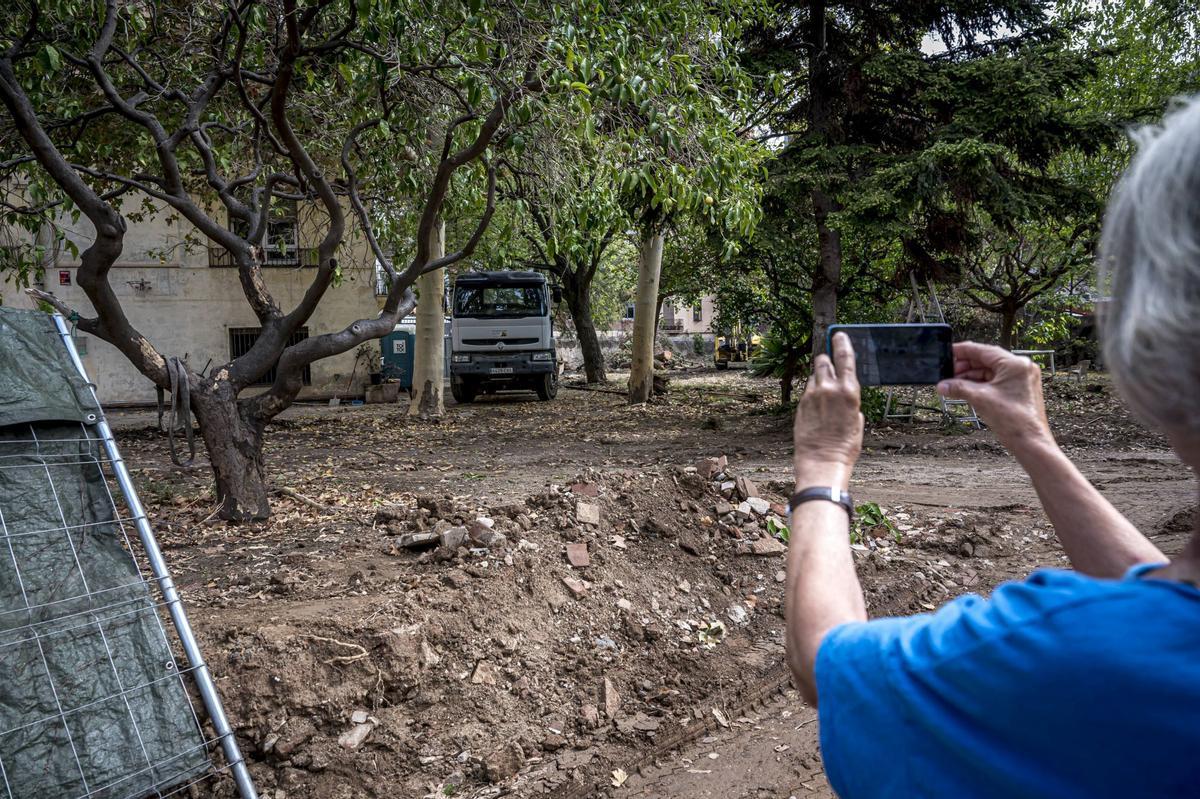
{"x": 645, "y": 316}
{"x": 235, "y": 451}
{"x": 786, "y": 381}
{"x": 1008, "y": 327}
{"x": 428, "y": 358}
{"x": 579, "y": 302}
{"x": 821, "y": 132}
{"x": 829, "y": 271}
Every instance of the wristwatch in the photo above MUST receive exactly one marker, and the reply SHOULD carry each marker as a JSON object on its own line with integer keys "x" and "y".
{"x": 825, "y": 493}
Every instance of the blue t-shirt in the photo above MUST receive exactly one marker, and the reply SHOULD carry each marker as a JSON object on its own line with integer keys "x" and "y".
{"x": 1062, "y": 686}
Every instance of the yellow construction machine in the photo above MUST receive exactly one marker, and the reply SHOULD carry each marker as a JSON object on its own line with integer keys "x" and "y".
{"x": 735, "y": 347}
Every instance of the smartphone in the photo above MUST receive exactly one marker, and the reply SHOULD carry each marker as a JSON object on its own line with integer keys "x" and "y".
{"x": 899, "y": 355}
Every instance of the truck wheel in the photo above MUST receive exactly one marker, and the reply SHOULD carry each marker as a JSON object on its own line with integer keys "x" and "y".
{"x": 722, "y": 364}
{"x": 462, "y": 391}
{"x": 547, "y": 387}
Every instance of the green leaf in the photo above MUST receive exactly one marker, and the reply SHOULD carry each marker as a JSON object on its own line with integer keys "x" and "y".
{"x": 51, "y": 58}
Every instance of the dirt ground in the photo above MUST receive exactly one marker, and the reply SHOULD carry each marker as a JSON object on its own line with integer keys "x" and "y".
{"x": 484, "y": 663}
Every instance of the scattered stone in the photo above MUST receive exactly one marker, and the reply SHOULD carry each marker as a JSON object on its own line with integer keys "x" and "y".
{"x": 618, "y": 541}
{"x": 779, "y": 509}
{"x": 585, "y": 490}
{"x": 417, "y": 540}
{"x": 429, "y": 655}
{"x": 577, "y": 587}
{"x": 722, "y": 508}
{"x": 625, "y": 604}
{"x": 590, "y": 716}
{"x": 745, "y": 488}
{"x": 484, "y": 674}
{"x": 727, "y": 488}
{"x": 780, "y": 576}
{"x": 587, "y": 514}
{"x": 655, "y": 527}
{"x": 553, "y": 742}
{"x": 503, "y": 763}
{"x": 759, "y": 505}
{"x": 456, "y": 578}
{"x": 767, "y": 545}
{"x": 684, "y": 586}
{"x": 453, "y": 538}
{"x": 481, "y": 533}
{"x": 359, "y": 717}
{"x": 577, "y": 556}
{"x": 738, "y": 614}
{"x": 690, "y": 542}
{"x": 354, "y": 737}
{"x": 743, "y": 512}
{"x": 610, "y": 700}
{"x": 707, "y": 468}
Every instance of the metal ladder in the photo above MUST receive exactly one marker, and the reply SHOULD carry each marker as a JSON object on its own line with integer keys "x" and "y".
{"x": 925, "y": 311}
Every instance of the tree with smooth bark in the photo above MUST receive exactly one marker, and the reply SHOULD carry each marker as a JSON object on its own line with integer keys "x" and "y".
{"x": 429, "y": 346}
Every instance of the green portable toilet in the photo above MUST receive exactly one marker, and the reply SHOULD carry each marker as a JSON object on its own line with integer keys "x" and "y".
{"x": 397, "y": 348}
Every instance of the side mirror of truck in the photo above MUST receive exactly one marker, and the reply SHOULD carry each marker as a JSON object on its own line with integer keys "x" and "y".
{"x": 556, "y": 292}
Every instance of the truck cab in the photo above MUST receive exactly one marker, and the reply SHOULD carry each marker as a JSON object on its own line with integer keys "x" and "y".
{"x": 502, "y": 335}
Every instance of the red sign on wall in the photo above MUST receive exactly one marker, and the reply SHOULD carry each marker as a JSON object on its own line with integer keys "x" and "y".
{"x": 64, "y": 278}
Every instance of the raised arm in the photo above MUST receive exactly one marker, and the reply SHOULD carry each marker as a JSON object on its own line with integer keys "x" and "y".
{"x": 822, "y": 588}
{"x": 1006, "y": 391}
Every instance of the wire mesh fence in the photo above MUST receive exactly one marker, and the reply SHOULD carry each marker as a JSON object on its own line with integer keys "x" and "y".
{"x": 96, "y": 697}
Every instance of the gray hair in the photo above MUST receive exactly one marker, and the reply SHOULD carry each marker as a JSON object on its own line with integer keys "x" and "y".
{"x": 1149, "y": 266}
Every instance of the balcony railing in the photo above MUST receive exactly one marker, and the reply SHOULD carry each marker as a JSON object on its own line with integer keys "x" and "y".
{"x": 672, "y": 326}
{"x": 301, "y": 256}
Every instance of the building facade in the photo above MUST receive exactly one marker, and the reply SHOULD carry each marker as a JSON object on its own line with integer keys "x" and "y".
{"x": 184, "y": 295}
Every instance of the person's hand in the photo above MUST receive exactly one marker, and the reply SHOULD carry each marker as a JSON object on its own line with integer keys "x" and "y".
{"x": 1004, "y": 389}
{"x": 829, "y": 427}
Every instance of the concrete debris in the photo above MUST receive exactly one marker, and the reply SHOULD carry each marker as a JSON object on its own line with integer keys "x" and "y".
{"x": 610, "y": 699}
{"x": 587, "y": 513}
{"x": 577, "y": 587}
{"x": 624, "y": 604}
{"x": 354, "y": 737}
{"x": 417, "y": 540}
{"x": 359, "y": 717}
{"x": 767, "y": 545}
{"x": 585, "y": 490}
{"x": 453, "y": 538}
{"x": 484, "y": 674}
{"x": 759, "y": 505}
{"x": 738, "y": 614}
{"x": 577, "y": 556}
{"x": 745, "y": 488}
{"x": 503, "y": 764}
{"x": 590, "y": 716}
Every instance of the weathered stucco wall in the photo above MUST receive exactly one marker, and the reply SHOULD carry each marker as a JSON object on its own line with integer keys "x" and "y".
{"x": 186, "y": 307}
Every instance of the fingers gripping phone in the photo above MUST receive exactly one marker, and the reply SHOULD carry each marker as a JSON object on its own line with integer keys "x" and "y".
{"x": 899, "y": 355}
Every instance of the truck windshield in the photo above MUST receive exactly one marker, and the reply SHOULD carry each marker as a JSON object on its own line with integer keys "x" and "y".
{"x": 499, "y": 301}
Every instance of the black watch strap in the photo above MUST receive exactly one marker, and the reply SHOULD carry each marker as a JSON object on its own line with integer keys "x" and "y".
{"x": 823, "y": 492}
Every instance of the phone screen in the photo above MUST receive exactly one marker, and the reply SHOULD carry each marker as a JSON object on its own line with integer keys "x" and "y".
{"x": 899, "y": 355}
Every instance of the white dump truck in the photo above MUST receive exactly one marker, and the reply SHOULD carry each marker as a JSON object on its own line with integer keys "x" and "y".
{"x": 502, "y": 335}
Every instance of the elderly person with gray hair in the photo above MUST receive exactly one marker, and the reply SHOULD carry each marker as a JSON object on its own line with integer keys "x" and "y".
{"x": 1081, "y": 683}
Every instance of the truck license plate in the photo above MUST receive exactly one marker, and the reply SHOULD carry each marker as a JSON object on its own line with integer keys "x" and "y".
{"x": 502, "y": 370}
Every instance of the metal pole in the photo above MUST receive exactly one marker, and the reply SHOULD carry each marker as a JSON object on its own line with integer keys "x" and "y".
{"x": 204, "y": 681}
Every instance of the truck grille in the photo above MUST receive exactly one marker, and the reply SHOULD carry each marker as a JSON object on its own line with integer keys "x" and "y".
{"x": 492, "y": 342}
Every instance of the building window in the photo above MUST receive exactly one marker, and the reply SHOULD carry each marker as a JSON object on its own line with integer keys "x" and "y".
{"x": 281, "y": 244}
{"x": 241, "y": 339}
{"x": 628, "y": 311}
{"x": 697, "y": 313}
